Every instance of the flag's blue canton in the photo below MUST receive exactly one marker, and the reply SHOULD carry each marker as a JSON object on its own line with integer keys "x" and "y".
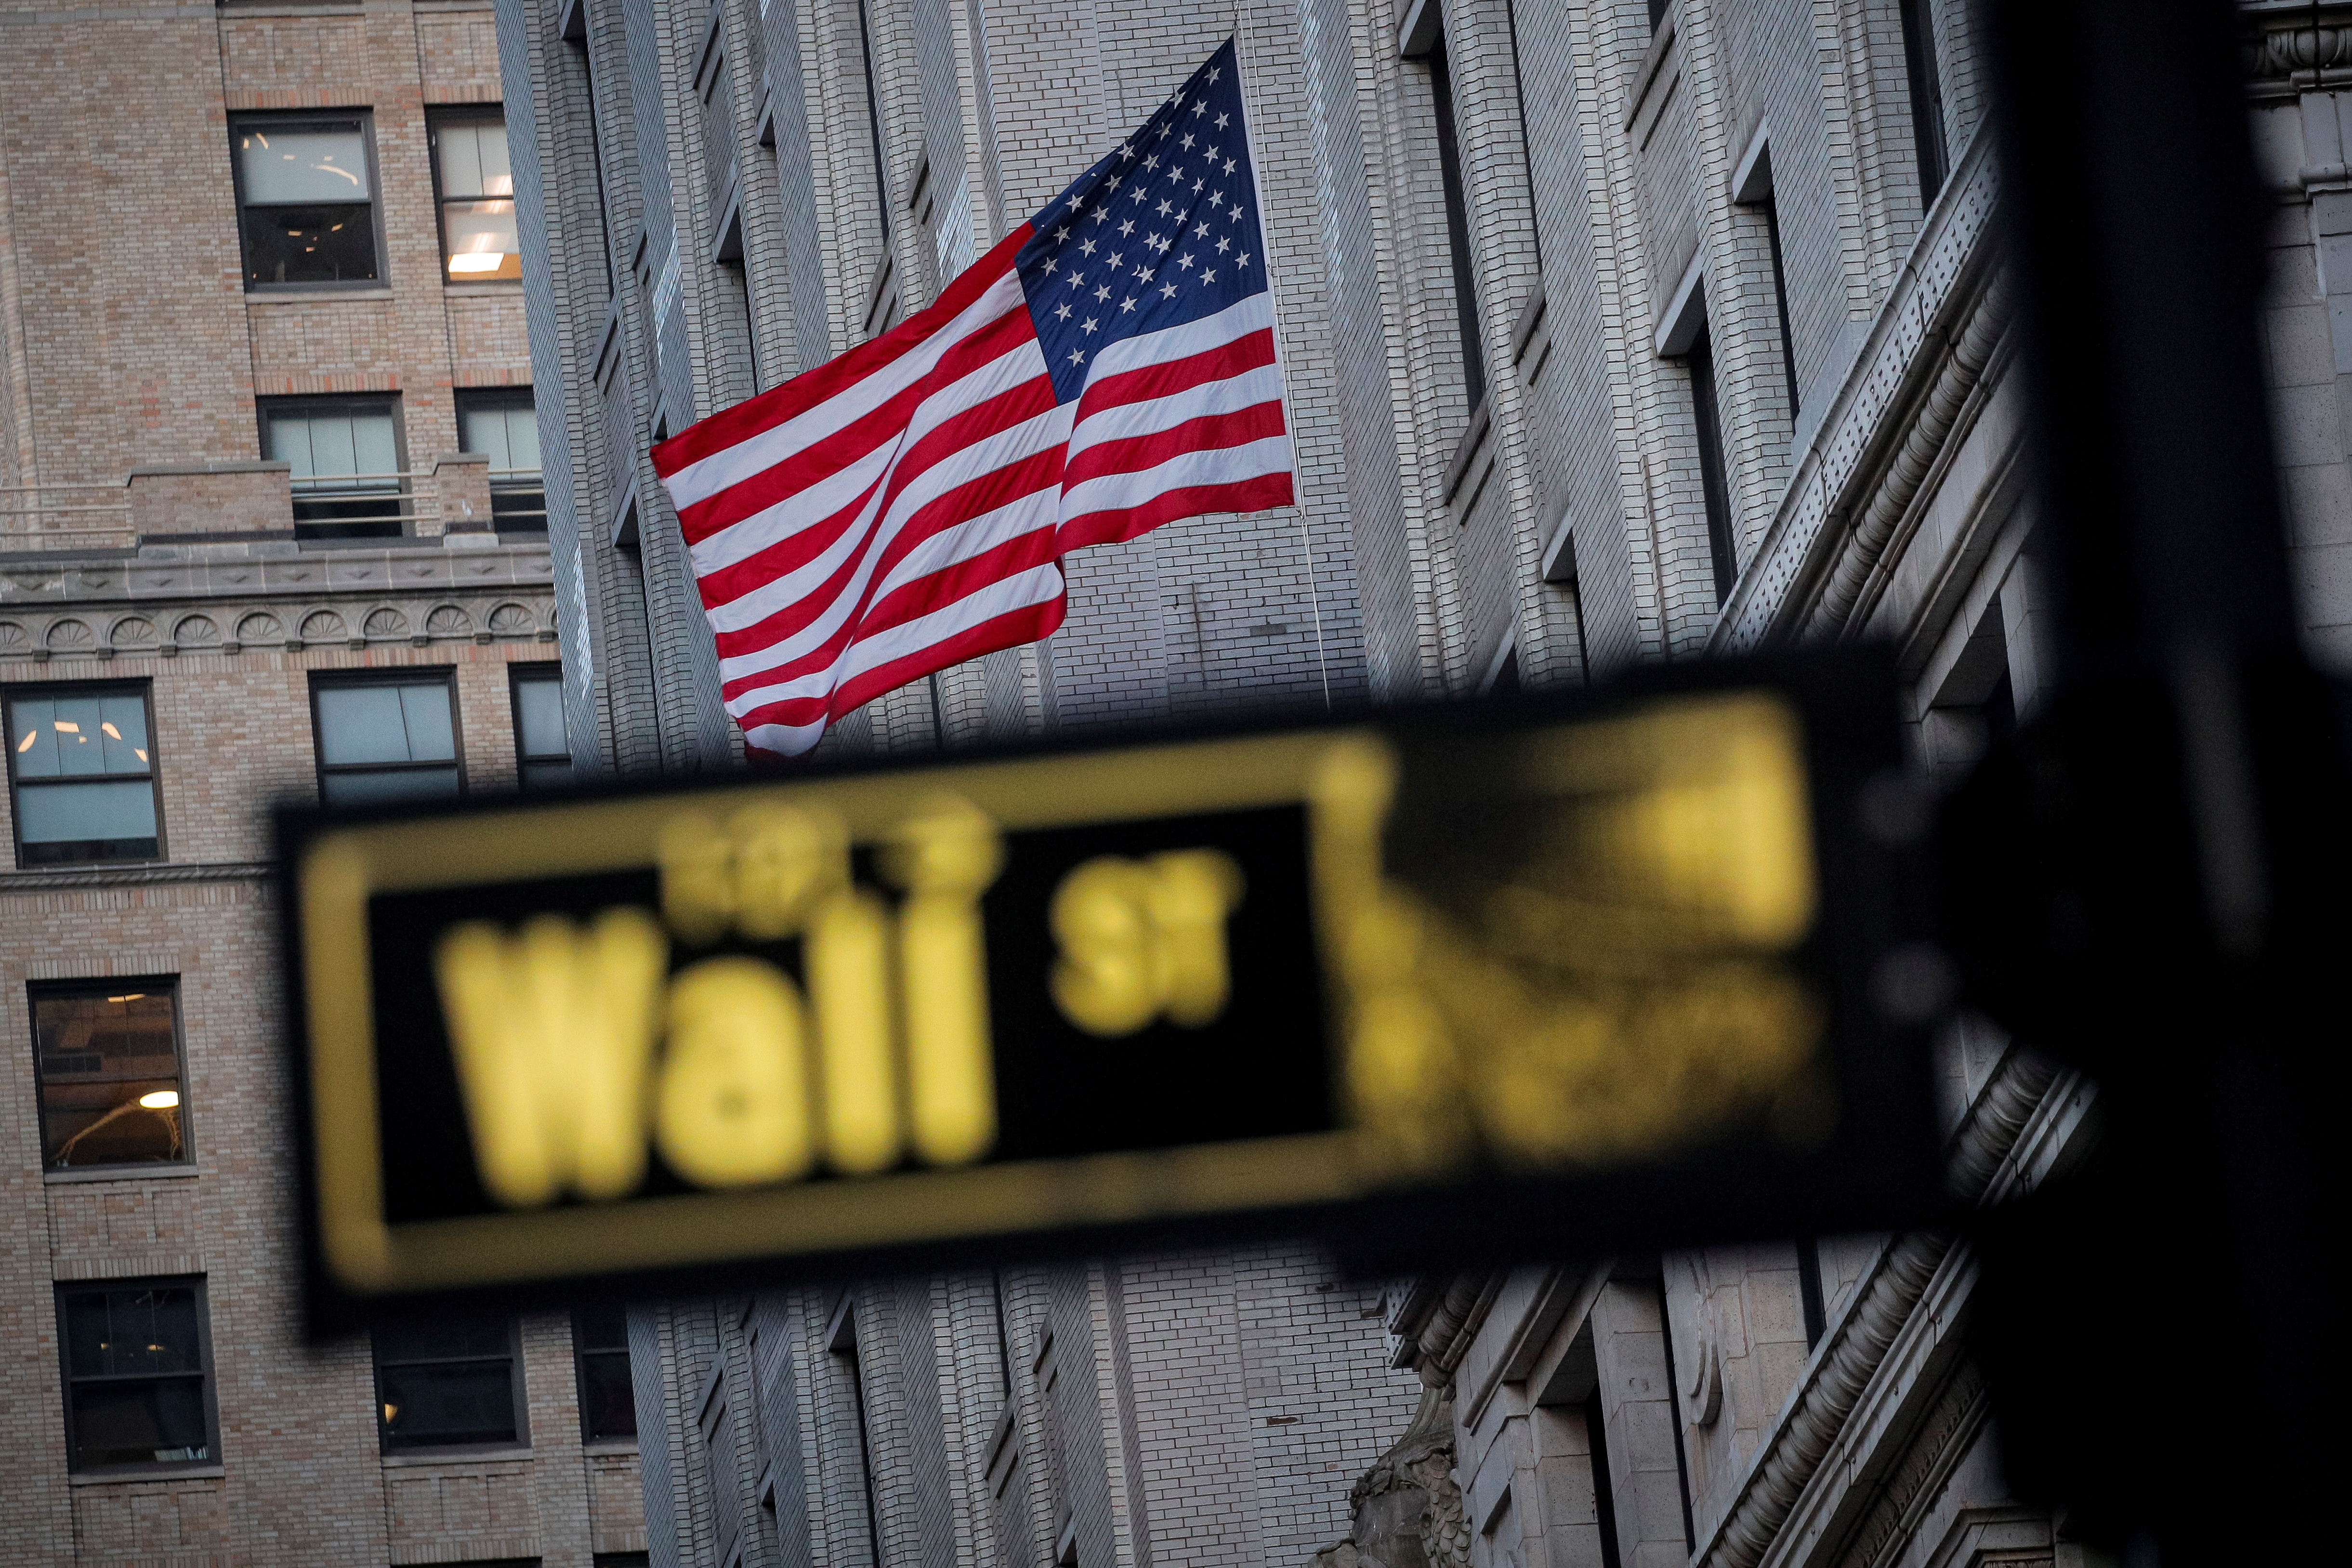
{"x": 1162, "y": 231}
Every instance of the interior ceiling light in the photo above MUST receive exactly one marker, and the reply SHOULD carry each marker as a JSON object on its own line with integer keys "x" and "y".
{"x": 67, "y": 725}
{"x": 111, "y": 730}
{"x": 137, "y": 753}
{"x": 160, "y": 1100}
{"x": 477, "y": 263}
{"x": 134, "y": 997}
{"x": 30, "y": 736}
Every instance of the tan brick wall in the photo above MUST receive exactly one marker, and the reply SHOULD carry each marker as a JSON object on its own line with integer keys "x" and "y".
{"x": 138, "y": 347}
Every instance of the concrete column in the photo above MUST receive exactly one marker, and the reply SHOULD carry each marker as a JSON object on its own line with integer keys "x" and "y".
{"x": 1636, "y": 1402}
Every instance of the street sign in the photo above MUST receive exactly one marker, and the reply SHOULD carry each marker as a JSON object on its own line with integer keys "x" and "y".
{"x": 1619, "y": 950}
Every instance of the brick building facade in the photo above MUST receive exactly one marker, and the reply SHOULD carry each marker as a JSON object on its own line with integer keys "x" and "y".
{"x": 1615, "y": 331}
{"x": 256, "y": 306}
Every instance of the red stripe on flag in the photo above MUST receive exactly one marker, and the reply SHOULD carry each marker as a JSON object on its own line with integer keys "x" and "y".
{"x": 731, "y": 426}
{"x": 1169, "y": 377}
{"x": 1119, "y": 524}
{"x": 1210, "y": 432}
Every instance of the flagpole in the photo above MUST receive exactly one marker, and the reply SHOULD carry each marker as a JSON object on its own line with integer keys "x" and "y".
{"x": 1281, "y": 363}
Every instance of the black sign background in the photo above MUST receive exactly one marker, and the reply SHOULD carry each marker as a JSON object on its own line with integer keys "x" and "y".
{"x": 1261, "y": 1069}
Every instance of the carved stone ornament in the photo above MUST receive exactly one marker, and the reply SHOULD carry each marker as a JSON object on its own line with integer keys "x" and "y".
{"x": 195, "y": 631}
{"x": 386, "y": 622}
{"x": 133, "y": 631}
{"x": 259, "y": 628}
{"x": 1698, "y": 1342}
{"x": 323, "y": 625}
{"x": 511, "y": 620}
{"x": 12, "y": 638}
{"x": 1407, "y": 1511}
{"x": 448, "y": 621}
{"x": 69, "y": 637}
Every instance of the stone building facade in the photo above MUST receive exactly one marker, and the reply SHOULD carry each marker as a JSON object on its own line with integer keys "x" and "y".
{"x": 247, "y": 557}
{"x": 1615, "y": 331}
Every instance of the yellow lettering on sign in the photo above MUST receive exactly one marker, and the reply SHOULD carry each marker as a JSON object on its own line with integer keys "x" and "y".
{"x": 1141, "y": 938}
{"x": 945, "y": 856}
{"x": 734, "y": 1106}
{"x": 553, "y": 1030}
{"x": 848, "y": 951}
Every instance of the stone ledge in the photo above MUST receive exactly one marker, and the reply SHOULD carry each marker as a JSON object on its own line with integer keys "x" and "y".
{"x": 137, "y": 875}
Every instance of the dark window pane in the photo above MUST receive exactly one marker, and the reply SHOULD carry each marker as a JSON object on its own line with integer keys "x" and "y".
{"x": 111, "y": 1333}
{"x": 609, "y": 1404}
{"x": 321, "y": 244}
{"x": 444, "y": 1339}
{"x": 386, "y": 724}
{"x": 538, "y": 710}
{"x": 380, "y": 789}
{"x": 603, "y": 1327}
{"x": 139, "y": 1422}
{"x": 546, "y": 776}
{"x": 466, "y": 1402}
{"x": 109, "y": 820}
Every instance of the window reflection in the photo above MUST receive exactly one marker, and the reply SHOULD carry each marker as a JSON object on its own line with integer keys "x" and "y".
{"x": 386, "y": 741}
{"x": 478, "y": 236}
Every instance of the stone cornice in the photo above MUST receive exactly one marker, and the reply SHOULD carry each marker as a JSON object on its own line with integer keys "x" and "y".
{"x": 16, "y": 882}
{"x": 2292, "y": 45}
{"x": 215, "y": 599}
{"x": 1867, "y": 437}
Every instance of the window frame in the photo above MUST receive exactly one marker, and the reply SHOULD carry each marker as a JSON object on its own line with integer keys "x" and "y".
{"x": 518, "y": 672}
{"x": 396, "y": 496}
{"x": 15, "y": 693}
{"x": 580, "y": 1350}
{"x": 437, "y": 116}
{"x": 518, "y": 1398}
{"x": 469, "y": 398}
{"x": 396, "y": 675}
{"x": 366, "y": 117}
{"x": 206, "y": 1375}
{"x": 98, "y": 985}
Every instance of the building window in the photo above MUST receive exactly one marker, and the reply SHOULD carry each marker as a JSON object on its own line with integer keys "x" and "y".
{"x": 306, "y": 200}
{"x": 542, "y": 751}
{"x": 1457, "y": 228}
{"x": 386, "y": 739}
{"x": 479, "y": 243}
{"x": 82, "y": 772}
{"x": 1706, "y": 413}
{"x": 447, "y": 1382}
{"x": 503, "y": 425}
{"x": 608, "y": 1400}
{"x": 113, "y": 1091}
{"x": 345, "y": 455}
{"x": 138, "y": 1384}
{"x": 1927, "y": 96}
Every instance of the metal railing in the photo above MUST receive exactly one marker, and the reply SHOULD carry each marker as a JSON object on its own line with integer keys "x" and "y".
{"x": 341, "y": 506}
{"x": 32, "y": 513}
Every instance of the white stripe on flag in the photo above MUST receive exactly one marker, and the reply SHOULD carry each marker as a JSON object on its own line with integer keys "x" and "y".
{"x": 1217, "y": 466}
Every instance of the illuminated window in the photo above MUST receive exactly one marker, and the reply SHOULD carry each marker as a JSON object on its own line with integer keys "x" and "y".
{"x": 386, "y": 739}
{"x": 306, "y": 200}
{"x": 113, "y": 1092}
{"x": 502, "y": 424}
{"x": 345, "y": 456}
{"x": 608, "y": 1400}
{"x": 479, "y": 243}
{"x": 138, "y": 1375}
{"x": 82, "y": 772}
{"x": 448, "y": 1383}
{"x": 542, "y": 751}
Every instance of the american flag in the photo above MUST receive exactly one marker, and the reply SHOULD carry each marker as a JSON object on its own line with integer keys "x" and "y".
{"x": 1107, "y": 368}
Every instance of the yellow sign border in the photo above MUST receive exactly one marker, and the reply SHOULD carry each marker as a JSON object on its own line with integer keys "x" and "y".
{"x": 344, "y": 868}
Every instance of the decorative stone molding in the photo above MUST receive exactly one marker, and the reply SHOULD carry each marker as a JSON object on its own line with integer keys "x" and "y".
{"x": 1858, "y": 1343}
{"x": 1932, "y": 303}
{"x": 136, "y": 876}
{"x": 1955, "y": 375}
{"x": 41, "y": 637}
{"x": 2297, "y": 44}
